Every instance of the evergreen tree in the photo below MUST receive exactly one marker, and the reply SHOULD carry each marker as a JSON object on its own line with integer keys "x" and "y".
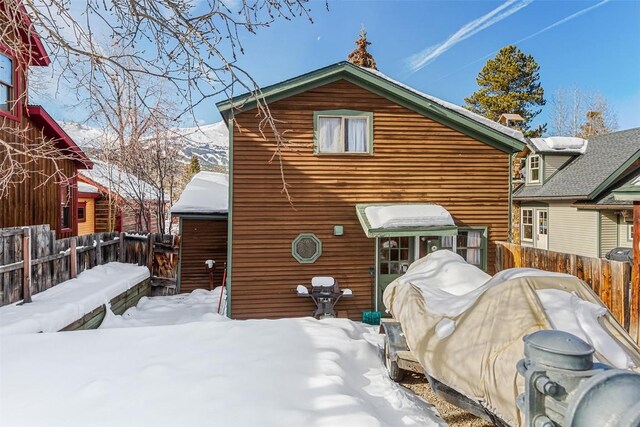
{"x": 194, "y": 166}
{"x": 510, "y": 83}
{"x": 360, "y": 56}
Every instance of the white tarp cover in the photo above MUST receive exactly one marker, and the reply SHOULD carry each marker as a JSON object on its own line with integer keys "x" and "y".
{"x": 405, "y": 215}
{"x": 207, "y": 192}
{"x": 560, "y": 144}
{"x": 470, "y": 337}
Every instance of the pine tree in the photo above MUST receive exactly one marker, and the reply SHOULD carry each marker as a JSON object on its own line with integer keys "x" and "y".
{"x": 194, "y": 166}
{"x": 510, "y": 83}
{"x": 360, "y": 56}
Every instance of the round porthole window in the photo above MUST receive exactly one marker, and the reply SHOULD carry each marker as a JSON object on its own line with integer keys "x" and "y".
{"x": 306, "y": 248}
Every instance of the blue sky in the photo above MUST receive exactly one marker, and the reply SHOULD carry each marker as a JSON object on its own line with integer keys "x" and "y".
{"x": 597, "y": 48}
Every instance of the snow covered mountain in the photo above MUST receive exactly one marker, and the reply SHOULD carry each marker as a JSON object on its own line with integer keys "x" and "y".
{"x": 209, "y": 142}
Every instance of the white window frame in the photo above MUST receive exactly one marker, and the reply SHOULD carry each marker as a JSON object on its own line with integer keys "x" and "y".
{"x": 343, "y": 138}
{"x": 522, "y": 224}
{"x": 630, "y": 232}
{"x": 529, "y": 169}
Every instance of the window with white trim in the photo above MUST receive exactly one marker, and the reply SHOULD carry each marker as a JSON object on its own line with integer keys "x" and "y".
{"x": 533, "y": 173}
{"x": 7, "y": 83}
{"x": 526, "y": 225}
{"x": 630, "y": 232}
{"x": 337, "y": 134}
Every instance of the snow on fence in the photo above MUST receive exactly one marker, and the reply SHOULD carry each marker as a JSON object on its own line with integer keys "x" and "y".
{"x": 54, "y": 261}
{"x": 610, "y": 280}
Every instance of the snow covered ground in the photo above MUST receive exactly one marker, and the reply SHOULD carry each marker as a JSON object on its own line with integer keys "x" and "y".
{"x": 173, "y": 362}
{"x": 67, "y": 302}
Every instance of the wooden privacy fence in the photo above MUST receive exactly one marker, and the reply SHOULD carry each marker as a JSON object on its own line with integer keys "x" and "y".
{"x": 611, "y": 280}
{"x": 32, "y": 260}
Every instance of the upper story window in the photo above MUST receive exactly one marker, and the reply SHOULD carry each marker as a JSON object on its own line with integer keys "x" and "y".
{"x": 533, "y": 172}
{"x": 7, "y": 83}
{"x": 343, "y": 131}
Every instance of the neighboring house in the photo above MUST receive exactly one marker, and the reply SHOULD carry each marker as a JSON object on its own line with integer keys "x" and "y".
{"x": 356, "y": 139}
{"x": 124, "y": 202}
{"x": 87, "y": 195}
{"x": 48, "y": 193}
{"x": 203, "y": 227}
{"x": 565, "y": 203}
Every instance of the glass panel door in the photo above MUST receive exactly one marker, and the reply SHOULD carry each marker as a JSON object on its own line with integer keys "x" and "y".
{"x": 395, "y": 254}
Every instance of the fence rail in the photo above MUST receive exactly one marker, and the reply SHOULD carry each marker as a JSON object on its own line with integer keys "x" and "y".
{"x": 611, "y": 280}
{"x": 32, "y": 260}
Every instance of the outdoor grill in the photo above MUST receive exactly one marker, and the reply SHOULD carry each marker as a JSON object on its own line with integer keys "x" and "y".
{"x": 325, "y": 294}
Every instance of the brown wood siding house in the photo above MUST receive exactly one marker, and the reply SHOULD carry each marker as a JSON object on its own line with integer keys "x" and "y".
{"x": 202, "y": 214}
{"x": 420, "y": 152}
{"x": 48, "y": 193}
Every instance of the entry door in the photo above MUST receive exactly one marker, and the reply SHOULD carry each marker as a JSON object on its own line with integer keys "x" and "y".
{"x": 542, "y": 229}
{"x": 395, "y": 254}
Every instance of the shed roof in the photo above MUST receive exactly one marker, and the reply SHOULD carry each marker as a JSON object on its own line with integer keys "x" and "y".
{"x": 452, "y": 115}
{"x": 207, "y": 193}
{"x": 606, "y": 160}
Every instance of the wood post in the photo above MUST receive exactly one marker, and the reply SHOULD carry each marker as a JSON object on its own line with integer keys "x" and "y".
{"x": 151, "y": 240}
{"x": 73, "y": 255}
{"x": 26, "y": 268}
{"x": 121, "y": 254}
{"x": 634, "y": 324}
{"x": 98, "y": 248}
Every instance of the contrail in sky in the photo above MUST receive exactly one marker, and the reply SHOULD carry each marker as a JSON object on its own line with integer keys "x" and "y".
{"x": 530, "y": 36}
{"x": 508, "y": 8}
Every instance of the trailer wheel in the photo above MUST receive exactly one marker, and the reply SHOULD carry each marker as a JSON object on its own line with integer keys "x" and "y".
{"x": 395, "y": 373}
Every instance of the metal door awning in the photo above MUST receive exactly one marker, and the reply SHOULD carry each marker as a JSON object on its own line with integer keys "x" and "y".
{"x": 405, "y": 219}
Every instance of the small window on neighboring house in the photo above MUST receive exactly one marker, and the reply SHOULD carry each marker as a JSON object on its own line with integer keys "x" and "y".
{"x": 7, "y": 83}
{"x": 339, "y": 134}
{"x": 533, "y": 174}
{"x": 630, "y": 232}
{"x": 65, "y": 205}
{"x": 82, "y": 211}
{"x": 527, "y": 225}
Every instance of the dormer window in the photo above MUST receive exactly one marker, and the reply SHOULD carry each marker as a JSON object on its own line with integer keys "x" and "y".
{"x": 7, "y": 83}
{"x": 343, "y": 132}
{"x": 533, "y": 170}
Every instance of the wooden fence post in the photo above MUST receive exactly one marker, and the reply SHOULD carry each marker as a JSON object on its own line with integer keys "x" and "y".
{"x": 150, "y": 242}
{"x": 98, "y": 249}
{"x": 26, "y": 267}
{"x": 73, "y": 258}
{"x": 121, "y": 254}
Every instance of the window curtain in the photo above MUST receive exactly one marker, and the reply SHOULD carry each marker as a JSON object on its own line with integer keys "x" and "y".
{"x": 474, "y": 247}
{"x": 356, "y": 135}
{"x": 329, "y": 134}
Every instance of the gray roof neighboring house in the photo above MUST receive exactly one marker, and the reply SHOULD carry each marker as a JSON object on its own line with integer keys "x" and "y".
{"x": 607, "y": 159}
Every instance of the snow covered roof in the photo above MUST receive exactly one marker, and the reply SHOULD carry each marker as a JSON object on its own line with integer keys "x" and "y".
{"x": 485, "y": 130}
{"x": 559, "y": 145}
{"x": 404, "y": 219}
{"x": 84, "y": 187}
{"x": 206, "y": 193}
{"x": 125, "y": 184}
{"x": 514, "y": 133}
{"x": 607, "y": 159}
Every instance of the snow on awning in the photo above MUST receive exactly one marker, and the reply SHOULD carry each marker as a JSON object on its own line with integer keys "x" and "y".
{"x": 405, "y": 219}
{"x": 83, "y": 187}
{"x": 207, "y": 193}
